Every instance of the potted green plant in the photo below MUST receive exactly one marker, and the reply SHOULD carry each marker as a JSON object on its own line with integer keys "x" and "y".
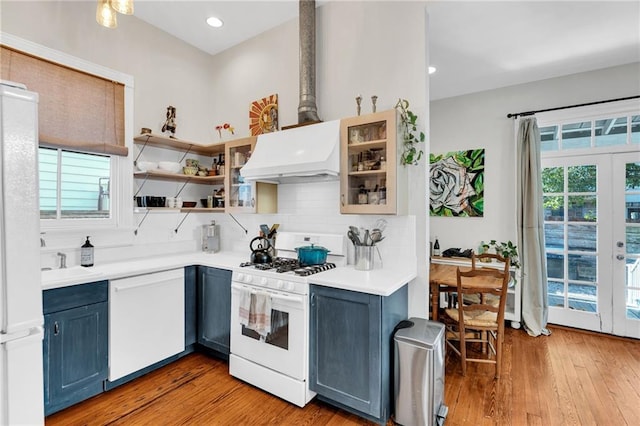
{"x": 411, "y": 153}
{"x": 507, "y": 249}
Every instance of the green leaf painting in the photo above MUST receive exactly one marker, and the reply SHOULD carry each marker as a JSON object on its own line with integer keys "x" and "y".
{"x": 456, "y": 184}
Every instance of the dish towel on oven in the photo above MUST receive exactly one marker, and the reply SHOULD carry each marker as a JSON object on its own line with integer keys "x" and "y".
{"x": 260, "y": 313}
{"x": 245, "y": 306}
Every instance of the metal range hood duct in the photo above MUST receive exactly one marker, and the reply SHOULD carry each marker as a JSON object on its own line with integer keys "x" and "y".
{"x": 301, "y": 154}
{"x": 310, "y": 152}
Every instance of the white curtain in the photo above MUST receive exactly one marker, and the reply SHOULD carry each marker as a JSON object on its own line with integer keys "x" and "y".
{"x": 535, "y": 307}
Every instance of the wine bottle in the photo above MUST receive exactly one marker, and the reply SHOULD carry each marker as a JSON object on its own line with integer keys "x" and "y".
{"x": 436, "y": 248}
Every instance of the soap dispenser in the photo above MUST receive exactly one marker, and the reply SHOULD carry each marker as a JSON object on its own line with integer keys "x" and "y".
{"x": 86, "y": 253}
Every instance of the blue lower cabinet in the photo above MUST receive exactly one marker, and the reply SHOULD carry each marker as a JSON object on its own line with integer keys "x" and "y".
{"x": 350, "y": 348}
{"x": 214, "y": 309}
{"x": 75, "y": 348}
{"x": 190, "y": 306}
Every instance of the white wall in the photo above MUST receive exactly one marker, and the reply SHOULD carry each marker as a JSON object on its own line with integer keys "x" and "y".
{"x": 480, "y": 121}
{"x": 358, "y": 52}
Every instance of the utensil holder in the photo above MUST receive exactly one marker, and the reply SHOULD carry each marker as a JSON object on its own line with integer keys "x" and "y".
{"x": 364, "y": 258}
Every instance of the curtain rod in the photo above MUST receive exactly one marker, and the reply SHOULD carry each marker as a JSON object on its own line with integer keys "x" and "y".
{"x": 525, "y": 113}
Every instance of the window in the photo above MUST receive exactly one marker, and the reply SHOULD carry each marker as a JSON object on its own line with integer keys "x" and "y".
{"x": 597, "y": 133}
{"x": 74, "y": 185}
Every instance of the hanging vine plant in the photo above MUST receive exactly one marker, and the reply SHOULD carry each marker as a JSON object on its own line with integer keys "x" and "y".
{"x": 411, "y": 138}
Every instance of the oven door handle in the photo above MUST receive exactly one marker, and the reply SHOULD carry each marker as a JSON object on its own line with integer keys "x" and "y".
{"x": 277, "y": 296}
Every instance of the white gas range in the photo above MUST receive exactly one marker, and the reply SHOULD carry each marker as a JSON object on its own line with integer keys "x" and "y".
{"x": 277, "y": 360}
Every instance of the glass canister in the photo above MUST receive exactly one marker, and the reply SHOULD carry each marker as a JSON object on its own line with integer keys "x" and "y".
{"x": 211, "y": 237}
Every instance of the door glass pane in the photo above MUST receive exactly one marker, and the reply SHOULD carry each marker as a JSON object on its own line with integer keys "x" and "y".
{"x": 554, "y": 236}
{"x": 576, "y": 135}
{"x": 635, "y": 129}
{"x": 633, "y": 240}
{"x": 633, "y": 287}
{"x": 549, "y": 138}
{"x": 583, "y": 297}
{"x": 553, "y": 179}
{"x": 582, "y": 208}
{"x": 581, "y": 237}
{"x": 553, "y": 208}
{"x": 555, "y": 292}
{"x": 582, "y": 267}
{"x": 611, "y": 131}
{"x": 582, "y": 178}
{"x": 555, "y": 265}
{"x": 279, "y": 335}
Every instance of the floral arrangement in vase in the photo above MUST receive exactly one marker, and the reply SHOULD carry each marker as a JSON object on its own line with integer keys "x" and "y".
{"x": 225, "y": 126}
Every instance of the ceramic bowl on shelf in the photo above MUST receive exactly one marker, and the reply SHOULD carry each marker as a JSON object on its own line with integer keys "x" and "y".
{"x": 189, "y": 204}
{"x": 145, "y": 166}
{"x": 169, "y": 166}
{"x": 190, "y": 170}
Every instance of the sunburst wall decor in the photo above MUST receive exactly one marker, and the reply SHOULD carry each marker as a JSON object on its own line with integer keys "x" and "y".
{"x": 263, "y": 115}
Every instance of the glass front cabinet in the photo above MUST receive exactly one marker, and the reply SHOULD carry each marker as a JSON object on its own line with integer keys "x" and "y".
{"x": 370, "y": 173}
{"x": 244, "y": 196}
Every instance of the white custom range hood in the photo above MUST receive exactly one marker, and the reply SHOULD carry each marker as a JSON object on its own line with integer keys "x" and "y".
{"x": 302, "y": 154}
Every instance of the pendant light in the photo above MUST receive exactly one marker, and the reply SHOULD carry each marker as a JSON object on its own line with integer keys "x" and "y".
{"x": 122, "y": 6}
{"x": 105, "y": 15}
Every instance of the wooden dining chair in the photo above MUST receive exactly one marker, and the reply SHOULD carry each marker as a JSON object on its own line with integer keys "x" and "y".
{"x": 480, "y": 318}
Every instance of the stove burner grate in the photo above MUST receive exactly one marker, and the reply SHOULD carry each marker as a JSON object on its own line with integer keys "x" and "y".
{"x": 284, "y": 264}
{"x": 314, "y": 269}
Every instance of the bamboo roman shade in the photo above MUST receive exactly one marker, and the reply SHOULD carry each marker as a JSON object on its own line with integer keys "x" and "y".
{"x": 77, "y": 110}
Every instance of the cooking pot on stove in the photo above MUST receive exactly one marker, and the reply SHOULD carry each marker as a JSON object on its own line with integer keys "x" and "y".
{"x": 312, "y": 255}
{"x": 260, "y": 254}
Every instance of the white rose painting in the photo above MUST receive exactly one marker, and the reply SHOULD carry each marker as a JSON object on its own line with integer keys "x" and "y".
{"x": 457, "y": 184}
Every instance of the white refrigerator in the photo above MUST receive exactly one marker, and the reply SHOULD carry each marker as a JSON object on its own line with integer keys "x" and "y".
{"x": 21, "y": 319}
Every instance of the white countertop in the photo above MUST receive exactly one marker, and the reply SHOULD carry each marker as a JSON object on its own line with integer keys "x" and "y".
{"x": 382, "y": 282}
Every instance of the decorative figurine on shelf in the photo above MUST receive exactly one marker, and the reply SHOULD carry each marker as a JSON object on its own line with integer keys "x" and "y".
{"x": 374, "y": 98}
{"x": 358, "y": 101}
{"x": 170, "y": 123}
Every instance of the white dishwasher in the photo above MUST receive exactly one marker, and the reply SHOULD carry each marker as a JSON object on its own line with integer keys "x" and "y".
{"x": 146, "y": 320}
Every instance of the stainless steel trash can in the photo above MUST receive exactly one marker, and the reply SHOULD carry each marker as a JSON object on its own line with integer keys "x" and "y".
{"x": 419, "y": 373}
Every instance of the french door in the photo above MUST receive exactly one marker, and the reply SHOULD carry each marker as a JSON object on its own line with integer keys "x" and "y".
{"x": 592, "y": 241}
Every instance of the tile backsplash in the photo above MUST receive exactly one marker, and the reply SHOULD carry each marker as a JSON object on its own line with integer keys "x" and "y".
{"x": 302, "y": 207}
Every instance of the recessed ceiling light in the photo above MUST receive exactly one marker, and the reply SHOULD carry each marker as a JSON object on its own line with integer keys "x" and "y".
{"x": 432, "y": 70}
{"x": 214, "y": 22}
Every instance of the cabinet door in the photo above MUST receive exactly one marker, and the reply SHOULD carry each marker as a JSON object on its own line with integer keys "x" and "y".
{"x": 214, "y": 309}
{"x": 75, "y": 355}
{"x": 190, "y": 307}
{"x": 345, "y": 348}
{"x": 241, "y": 195}
{"x": 369, "y": 168}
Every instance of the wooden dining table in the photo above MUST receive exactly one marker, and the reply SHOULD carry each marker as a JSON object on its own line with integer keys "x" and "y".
{"x": 443, "y": 278}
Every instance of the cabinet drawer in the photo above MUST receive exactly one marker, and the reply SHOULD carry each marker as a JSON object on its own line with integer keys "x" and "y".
{"x": 60, "y": 299}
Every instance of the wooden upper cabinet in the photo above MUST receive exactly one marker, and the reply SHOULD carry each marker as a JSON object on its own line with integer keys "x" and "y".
{"x": 372, "y": 181}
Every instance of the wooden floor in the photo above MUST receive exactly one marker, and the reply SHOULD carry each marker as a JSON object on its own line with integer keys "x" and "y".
{"x": 568, "y": 378}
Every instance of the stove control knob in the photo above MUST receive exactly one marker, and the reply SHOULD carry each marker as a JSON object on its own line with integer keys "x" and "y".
{"x": 240, "y": 277}
{"x": 248, "y": 279}
{"x": 280, "y": 284}
{"x": 264, "y": 281}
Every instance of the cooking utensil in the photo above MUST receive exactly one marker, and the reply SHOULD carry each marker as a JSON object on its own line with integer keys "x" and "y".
{"x": 273, "y": 230}
{"x": 260, "y": 254}
{"x": 376, "y": 236}
{"x": 354, "y": 238}
{"x": 312, "y": 255}
{"x": 265, "y": 230}
{"x": 380, "y": 224}
{"x": 366, "y": 238}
